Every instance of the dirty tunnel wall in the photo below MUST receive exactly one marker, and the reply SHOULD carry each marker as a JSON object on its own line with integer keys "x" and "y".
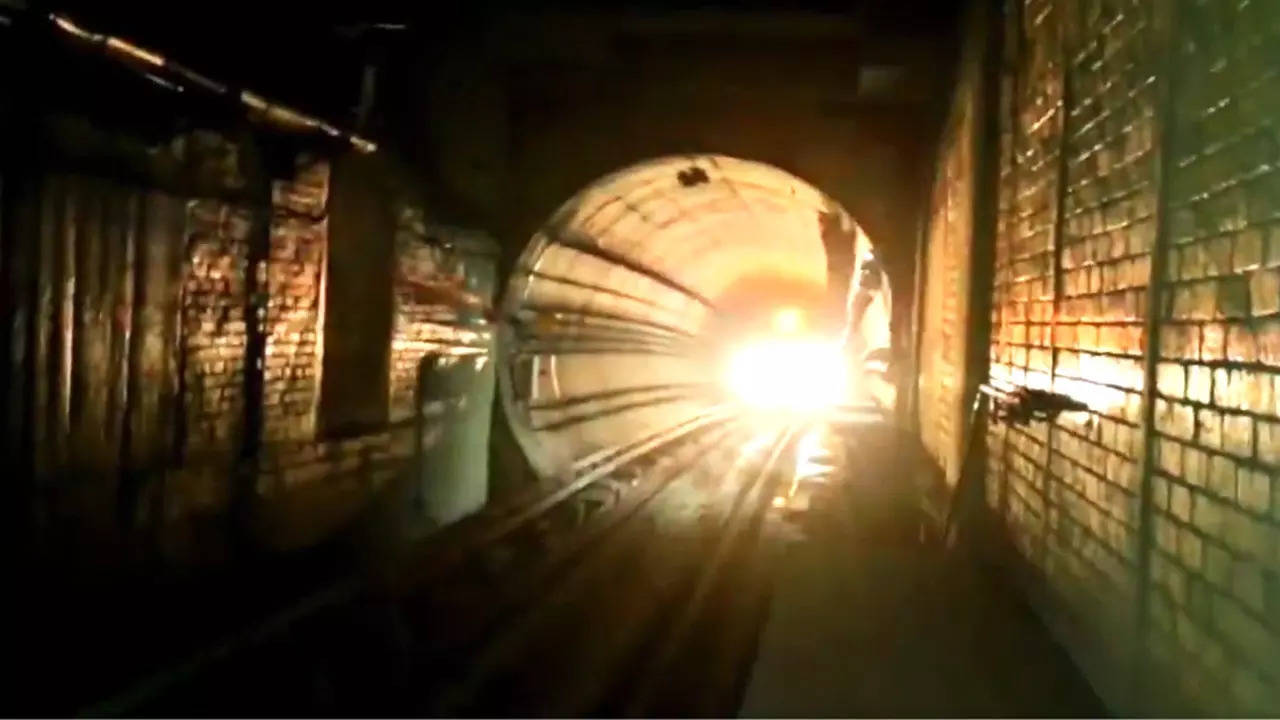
{"x": 127, "y": 399}
{"x": 1137, "y": 268}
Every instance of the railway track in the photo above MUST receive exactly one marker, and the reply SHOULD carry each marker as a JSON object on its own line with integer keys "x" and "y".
{"x": 583, "y": 599}
{"x": 601, "y": 637}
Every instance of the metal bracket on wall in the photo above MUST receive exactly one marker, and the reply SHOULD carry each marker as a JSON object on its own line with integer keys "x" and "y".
{"x": 1012, "y": 405}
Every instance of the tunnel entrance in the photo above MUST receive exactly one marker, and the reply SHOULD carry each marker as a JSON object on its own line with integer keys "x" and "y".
{"x": 679, "y": 287}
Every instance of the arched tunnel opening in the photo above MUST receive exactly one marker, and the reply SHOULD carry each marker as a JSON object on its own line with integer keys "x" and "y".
{"x": 684, "y": 288}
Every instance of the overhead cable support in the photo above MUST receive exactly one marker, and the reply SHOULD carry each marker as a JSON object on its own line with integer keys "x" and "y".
{"x": 561, "y": 332}
{"x": 553, "y": 310}
{"x": 587, "y": 246}
{"x": 178, "y": 78}
{"x": 599, "y": 349}
{"x": 571, "y": 282}
{"x": 575, "y": 339}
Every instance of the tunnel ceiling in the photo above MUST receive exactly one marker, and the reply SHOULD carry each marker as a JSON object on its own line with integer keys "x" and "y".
{"x": 865, "y": 44}
{"x": 701, "y": 222}
{"x": 623, "y": 295}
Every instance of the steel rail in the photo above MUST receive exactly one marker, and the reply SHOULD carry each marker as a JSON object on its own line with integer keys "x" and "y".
{"x": 718, "y": 412}
{"x": 347, "y": 588}
{"x": 678, "y": 630}
{"x": 593, "y": 468}
{"x": 587, "y": 398}
{"x": 503, "y": 642}
{"x": 574, "y": 420}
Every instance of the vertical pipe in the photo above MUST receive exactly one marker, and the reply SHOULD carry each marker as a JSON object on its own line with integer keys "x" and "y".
{"x": 64, "y": 222}
{"x": 1164, "y": 22}
{"x": 46, "y": 248}
{"x": 129, "y": 347}
{"x": 83, "y": 369}
{"x": 322, "y": 311}
{"x": 244, "y": 475}
{"x": 179, "y": 441}
{"x": 984, "y": 211}
{"x": 917, "y": 311}
{"x": 255, "y": 311}
{"x": 1013, "y": 25}
{"x": 1065, "y": 58}
{"x": 114, "y": 317}
{"x": 170, "y": 296}
{"x": 125, "y": 306}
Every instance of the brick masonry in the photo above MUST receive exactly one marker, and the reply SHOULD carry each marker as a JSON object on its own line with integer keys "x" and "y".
{"x": 213, "y": 331}
{"x": 945, "y": 304}
{"x": 430, "y": 278}
{"x": 1172, "y": 574}
{"x": 294, "y": 324}
{"x": 1216, "y": 555}
{"x": 373, "y": 458}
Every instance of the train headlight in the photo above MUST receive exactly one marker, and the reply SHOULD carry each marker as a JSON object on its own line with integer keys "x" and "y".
{"x": 801, "y": 375}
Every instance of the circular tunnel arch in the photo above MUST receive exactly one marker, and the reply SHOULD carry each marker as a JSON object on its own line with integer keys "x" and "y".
{"x": 617, "y": 309}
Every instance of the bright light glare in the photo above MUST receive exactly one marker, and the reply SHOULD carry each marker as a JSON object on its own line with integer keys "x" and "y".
{"x": 810, "y": 443}
{"x": 757, "y": 443}
{"x": 809, "y": 451}
{"x": 788, "y": 375}
{"x": 788, "y": 320}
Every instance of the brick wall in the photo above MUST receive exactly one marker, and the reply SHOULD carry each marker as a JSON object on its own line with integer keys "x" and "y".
{"x": 125, "y": 352}
{"x": 292, "y": 464}
{"x": 213, "y": 332}
{"x": 294, "y": 324}
{"x": 86, "y": 246}
{"x": 218, "y": 235}
{"x": 214, "y": 335}
{"x": 1135, "y": 269}
{"x": 1216, "y": 610}
{"x": 431, "y": 277}
{"x": 941, "y": 381}
{"x": 440, "y": 345}
{"x": 414, "y": 322}
{"x": 1074, "y": 273}
{"x": 306, "y": 490}
{"x": 1023, "y": 289}
{"x": 308, "y": 485}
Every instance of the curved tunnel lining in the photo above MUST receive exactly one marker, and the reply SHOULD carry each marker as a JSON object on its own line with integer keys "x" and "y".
{"x": 606, "y": 314}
